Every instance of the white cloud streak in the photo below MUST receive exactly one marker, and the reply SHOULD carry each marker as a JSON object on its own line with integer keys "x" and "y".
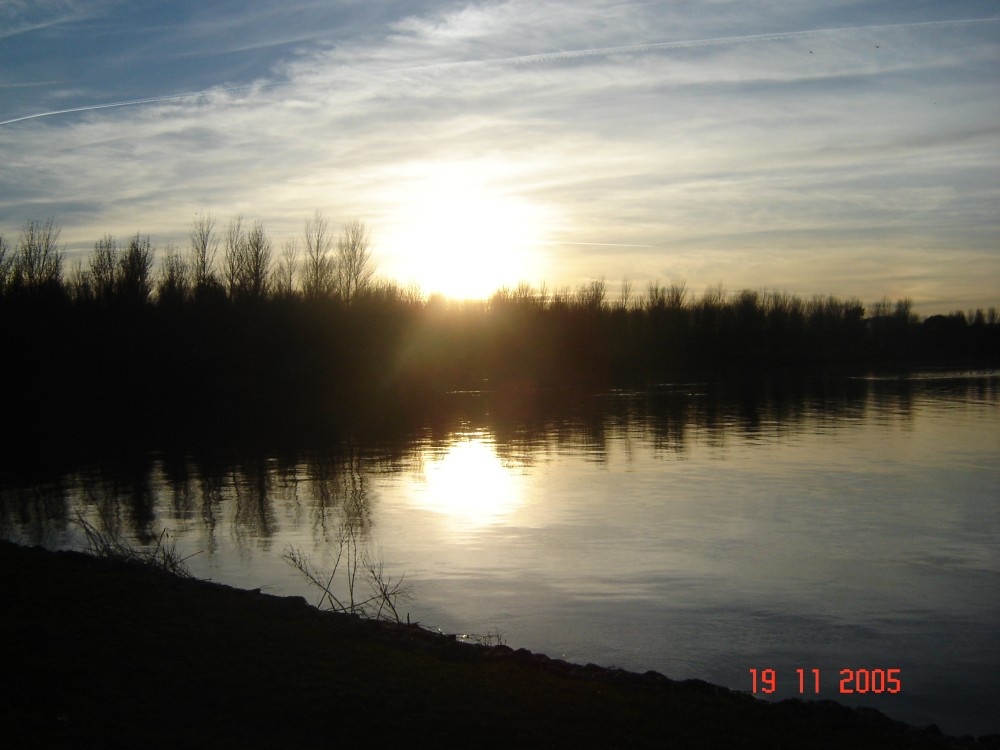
{"x": 741, "y": 159}
{"x": 543, "y": 57}
{"x": 630, "y": 49}
{"x": 25, "y": 16}
{"x": 192, "y": 97}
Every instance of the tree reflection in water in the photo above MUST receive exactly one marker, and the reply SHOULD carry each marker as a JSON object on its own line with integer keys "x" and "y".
{"x": 468, "y": 456}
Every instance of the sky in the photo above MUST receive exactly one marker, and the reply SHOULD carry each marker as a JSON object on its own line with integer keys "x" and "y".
{"x": 845, "y": 147}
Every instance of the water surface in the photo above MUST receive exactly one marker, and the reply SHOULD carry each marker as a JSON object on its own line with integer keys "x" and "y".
{"x": 695, "y": 529}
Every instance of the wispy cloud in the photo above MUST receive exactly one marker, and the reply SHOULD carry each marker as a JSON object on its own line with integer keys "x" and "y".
{"x": 632, "y": 49}
{"x": 524, "y": 59}
{"x": 25, "y": 16}
{"x": 645, "y": 140}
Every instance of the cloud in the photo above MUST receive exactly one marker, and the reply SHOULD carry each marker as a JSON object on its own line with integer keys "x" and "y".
{"x": 652, "y": 47}
{"x": 649, "y": 138}
{"x": 24, "y": 16}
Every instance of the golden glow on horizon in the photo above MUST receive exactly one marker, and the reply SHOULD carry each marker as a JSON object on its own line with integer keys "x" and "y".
{"x": 468, "y": 485}
{"x": 458, "y": 235}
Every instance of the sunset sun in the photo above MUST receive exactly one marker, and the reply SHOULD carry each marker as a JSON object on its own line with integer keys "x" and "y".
{"x": 458, "y": 235}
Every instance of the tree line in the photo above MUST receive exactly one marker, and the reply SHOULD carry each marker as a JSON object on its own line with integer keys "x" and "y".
{"x": 232, "y": 333}
{"x": 246, "y": 269}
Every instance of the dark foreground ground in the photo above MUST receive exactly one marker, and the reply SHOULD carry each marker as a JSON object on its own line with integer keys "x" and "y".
{"x": 106, "y": 654}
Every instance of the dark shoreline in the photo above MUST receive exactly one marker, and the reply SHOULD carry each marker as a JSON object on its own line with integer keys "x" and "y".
{"x": 110, "y": 654}
{"x": 95, "y": 364}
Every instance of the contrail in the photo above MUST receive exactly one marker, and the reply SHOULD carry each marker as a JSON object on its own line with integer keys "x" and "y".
{"x": 146, "y": 100}
{"x": 687, "y": 44}
{"x": 89, "y": 107}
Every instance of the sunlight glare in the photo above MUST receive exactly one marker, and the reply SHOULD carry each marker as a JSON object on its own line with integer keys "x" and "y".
{"x": 458, "y": 234}
{"x": 469, "y": 486}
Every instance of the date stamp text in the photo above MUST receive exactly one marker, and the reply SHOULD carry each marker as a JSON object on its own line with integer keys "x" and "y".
{"x": 849, "y": 681}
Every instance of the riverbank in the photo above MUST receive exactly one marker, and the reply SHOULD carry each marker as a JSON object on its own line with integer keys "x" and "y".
{"x": 101, "y": 653}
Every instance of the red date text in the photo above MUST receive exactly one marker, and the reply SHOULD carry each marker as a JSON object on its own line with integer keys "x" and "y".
{"x": 852, "y": 681}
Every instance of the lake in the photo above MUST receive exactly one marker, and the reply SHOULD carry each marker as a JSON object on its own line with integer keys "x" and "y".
{"x": 839, "y": 530}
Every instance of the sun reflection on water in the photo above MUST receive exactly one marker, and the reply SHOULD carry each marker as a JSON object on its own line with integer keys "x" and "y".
{"x": 468, "y": 485}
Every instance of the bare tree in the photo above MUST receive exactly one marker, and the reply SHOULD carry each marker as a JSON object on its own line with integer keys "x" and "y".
{"x": 318, "y": 278}
{"x": 676, "y": 295}
{"x": 284, "y": 273}
{"x": 134, "y": 282}
{"x": 625, "y": 298}
{"x": 673, "y": 297}
{"x": 561, "y": 298}
{"x": 592, "y": 295}
{"x": 37, "y": 261}
{"x": 714, "y": 297}
{"x": 80, "y": 283}
{"x": 256, "y": 271}
{"x": 543, "y": 296}
{"x": 204, "y": 247}
{"x": 174, "y": 283}
{"x": 656, "y": 296}
{"x": 6, "y": 261}
{"x": 903, "y": 311}
{"x": 247, "y": 260}
{"x": 354, "y": 260}
{"x": 232, "y": 260}
{"x": 524, "y": 294}
{"x": 880, "y": 308}
{"x": 104, "y": 267}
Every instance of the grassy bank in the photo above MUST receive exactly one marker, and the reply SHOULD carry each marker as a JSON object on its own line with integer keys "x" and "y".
{"x": 102, "y": 653}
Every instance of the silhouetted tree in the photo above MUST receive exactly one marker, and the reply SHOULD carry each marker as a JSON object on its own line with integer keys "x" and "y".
{"x": 318, "y": 272}
{"x": 80, "y": 284}
{"x": 354, "y": 267}
{"x": 37, "y": 261}
{"x": 785, "y": 324}
{"x": 625, "y": 296}
{"x": 197, "y": 358}
{"x": 592, "y": 296}
{"x": 173, "y": 287}
{"x": 247, "y": 260}
{"x": 903, "y": 311}
{"x": 676, "y": 295}
{"x": 880, "y": 308}
{"x": 5, "y": 265}
{"x": 256, "y": 271}
{"x": 204, "y": 247}
{"x": 283, "y": 281}
{"x": 134, "y": 279}
{"x": 233, "y": 256}
{"x": 104, "y": 268}
{"x": 660, "y": 297}
{"x": 656, "y": 297}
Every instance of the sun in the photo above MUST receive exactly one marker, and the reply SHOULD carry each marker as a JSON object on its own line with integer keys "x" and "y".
{"x": 457, "y": 233}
